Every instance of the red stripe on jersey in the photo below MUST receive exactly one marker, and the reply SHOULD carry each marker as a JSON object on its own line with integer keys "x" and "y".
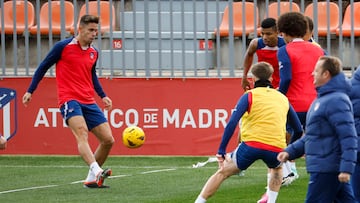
{"x": 263, "y": 146}
{"x": 249, "y": 101}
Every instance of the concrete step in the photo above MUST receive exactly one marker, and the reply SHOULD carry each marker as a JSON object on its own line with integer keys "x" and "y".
{"x": 164, "y": 44}
{"x": 162, "y": 35}
{"x": 175, "y": 5}
{"x": 166, "y": 59}
{"x": 175, "y": 21}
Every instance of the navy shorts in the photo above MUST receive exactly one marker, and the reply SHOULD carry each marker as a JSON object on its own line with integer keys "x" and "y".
{"x": 91, "y": 112}
{"x": 245, "y": 155}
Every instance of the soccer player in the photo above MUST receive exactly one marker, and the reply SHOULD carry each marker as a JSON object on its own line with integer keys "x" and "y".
{"x": 3, "y": 142}
{"x": 266, "y": 48}
{"x": 297, "y": 60}
{"x": 264, "y": 112}
{"x": 75, "y": 60}
{"x": 355, "y": 99}
{"x": 310, "y": 31}
{"x": 330, "y": 141}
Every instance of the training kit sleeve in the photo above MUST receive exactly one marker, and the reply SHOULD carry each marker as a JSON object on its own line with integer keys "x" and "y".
{"x": 294, "y": 122}
{"x": 240, "y": 109}
{"x": 53, "y": 56}
{"x": 285, "y": 70}
{"x": 97, "y": 86}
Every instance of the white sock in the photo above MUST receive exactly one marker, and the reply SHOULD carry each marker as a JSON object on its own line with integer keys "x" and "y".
{"x": 95, "y": 168}
{"x": 272, "y": 196}
{"x": 200, "y": 199}
{"x": 268, "y": 179}
{"x": 90, "y": 177}
{"x": 286, "y": 168}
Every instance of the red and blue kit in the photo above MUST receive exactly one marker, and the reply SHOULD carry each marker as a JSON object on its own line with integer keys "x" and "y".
{"x": 75, "y": 71}
{"x": 269, "y": 54}
{"x": 297, "y": 62}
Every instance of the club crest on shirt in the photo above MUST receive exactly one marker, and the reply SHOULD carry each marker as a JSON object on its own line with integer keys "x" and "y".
{"x": 92, "y": 55}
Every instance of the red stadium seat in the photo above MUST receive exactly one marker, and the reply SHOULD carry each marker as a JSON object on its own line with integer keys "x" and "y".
{"x": 105, "y": 8}
{"x": 251, "y": 13}
{"x": 322, "y": 16}
{"x": 18, "y": 11}
{"x": 346, "y": 25}
{"x": 276, "y": 9}
{"x": 55, "y": 19}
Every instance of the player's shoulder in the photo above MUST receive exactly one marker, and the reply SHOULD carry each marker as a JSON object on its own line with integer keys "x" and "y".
{"x": 62, "y": 43}
{"x": 94, "y": 48}
{"x": 254, "y": 42}
{"x": 65, "y": 41}
{"x": 281, "y": 41}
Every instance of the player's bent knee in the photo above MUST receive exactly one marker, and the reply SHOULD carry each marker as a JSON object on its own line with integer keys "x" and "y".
{"x": 225, "y": 172}
{"x": 108, "y": 141}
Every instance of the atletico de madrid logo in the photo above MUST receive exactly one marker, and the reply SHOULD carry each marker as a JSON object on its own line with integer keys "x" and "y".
{"x": 8, "y": 111}
{"x": 91, "y": 55}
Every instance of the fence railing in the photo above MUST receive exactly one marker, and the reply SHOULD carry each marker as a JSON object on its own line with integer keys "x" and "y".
{"x": 166, "y": 38}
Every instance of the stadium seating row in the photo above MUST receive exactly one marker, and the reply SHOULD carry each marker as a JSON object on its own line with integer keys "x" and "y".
{"x": 327, "y": 17}
{"x": 245, "y": 17}
{"x": 52, "y": 11}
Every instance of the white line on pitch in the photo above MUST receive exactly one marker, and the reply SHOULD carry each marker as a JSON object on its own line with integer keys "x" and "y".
{"x": 29, "y": 188}
{"x": 119, "y": 176}
{"x": 80, "y": 181}
{"x": 156, "y": 171}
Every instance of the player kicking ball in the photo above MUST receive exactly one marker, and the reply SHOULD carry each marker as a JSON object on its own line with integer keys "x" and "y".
{"x": 77, "y": 82}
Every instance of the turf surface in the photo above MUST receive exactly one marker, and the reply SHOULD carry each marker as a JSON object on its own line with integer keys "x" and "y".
{"x": 135, "y": 180}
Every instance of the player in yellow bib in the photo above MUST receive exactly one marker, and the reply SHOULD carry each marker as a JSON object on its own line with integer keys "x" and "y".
{"x": 264, "y": 112}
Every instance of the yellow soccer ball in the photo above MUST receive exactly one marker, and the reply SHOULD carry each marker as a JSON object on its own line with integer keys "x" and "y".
{"x": 133, "y": 137}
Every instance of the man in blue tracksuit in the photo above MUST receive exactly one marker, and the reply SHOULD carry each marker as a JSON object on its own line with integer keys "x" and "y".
{"x": 355, "y": 99}
{"x": 330, "y": 141}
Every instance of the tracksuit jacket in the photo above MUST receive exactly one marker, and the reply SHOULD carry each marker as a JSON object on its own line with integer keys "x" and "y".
{"x": 330, "y": 141}
{"x": 355, "y": 98}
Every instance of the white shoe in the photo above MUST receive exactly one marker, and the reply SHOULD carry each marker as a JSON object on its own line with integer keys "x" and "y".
{"x": 288, "y": 179}
{"x": 241, "y": 173}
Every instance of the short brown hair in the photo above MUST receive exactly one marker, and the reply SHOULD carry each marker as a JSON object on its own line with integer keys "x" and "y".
{"x": 310, "y": 23}
{"x": 332, "y": 64}
{"x": 86, "y": 19}
{"x": 262, "y": 70}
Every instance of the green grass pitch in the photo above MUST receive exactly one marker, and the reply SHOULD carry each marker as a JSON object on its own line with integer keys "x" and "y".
{"x": 135, "y": 180}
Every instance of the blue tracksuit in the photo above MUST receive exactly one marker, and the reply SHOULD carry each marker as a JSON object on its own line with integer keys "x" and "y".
{"x": 330, "y": 142}
{"x": 355, "y": 99}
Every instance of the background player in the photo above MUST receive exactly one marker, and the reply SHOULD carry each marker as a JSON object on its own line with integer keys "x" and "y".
{"x": 355, "y": 99}
{"x": 297, "y": 60}
{"x": 266, "y": 48}
{"x": 330, "y": 141}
